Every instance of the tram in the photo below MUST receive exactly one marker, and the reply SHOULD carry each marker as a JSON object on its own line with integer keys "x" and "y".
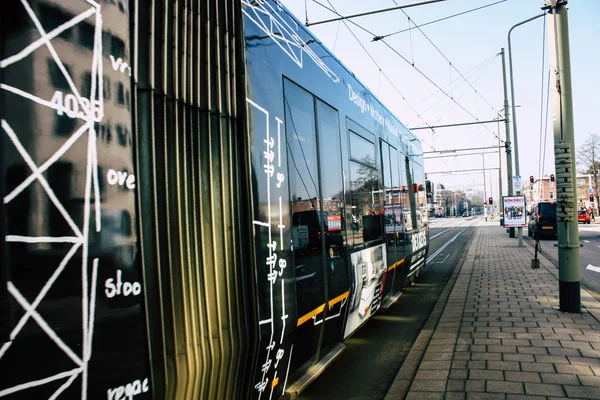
{"x": 200, "y": 201}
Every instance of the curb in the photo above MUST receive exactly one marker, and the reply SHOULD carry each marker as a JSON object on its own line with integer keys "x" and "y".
{"x": 404, "y": 378}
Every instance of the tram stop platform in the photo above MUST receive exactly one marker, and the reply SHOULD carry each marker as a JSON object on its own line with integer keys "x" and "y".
{"x": 497, "y": 332}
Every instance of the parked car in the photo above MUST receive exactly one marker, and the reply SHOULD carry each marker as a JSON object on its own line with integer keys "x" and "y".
{"x": 583, "y": 216}
{"x": 542, "y": 220}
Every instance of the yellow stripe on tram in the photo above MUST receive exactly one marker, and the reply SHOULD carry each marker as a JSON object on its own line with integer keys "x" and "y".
{"x": 321, "y": 308}
{"x": 311, "y": 314}
{"x": 391, "y": 267}
{"x": 341, "y": 297}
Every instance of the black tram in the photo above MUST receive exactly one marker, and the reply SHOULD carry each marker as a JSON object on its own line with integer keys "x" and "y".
{"x": 200, "y": 201}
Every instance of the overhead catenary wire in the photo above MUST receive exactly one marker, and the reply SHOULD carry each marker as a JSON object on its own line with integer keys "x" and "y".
{"x": 446, "y": 58}
{"x": 373, "y": 60}
{"x": 376, "y": 38}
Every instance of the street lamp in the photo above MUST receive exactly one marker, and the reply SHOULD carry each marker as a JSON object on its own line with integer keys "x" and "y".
{"x": 512, "y": 96}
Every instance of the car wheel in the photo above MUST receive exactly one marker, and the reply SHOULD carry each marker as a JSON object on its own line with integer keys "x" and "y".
{"x": 589, "y": 222}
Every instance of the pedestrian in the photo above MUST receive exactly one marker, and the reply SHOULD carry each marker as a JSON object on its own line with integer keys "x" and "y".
{"x": 591, "y": 211}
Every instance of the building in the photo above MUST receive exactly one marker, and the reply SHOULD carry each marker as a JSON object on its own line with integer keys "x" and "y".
{"x": 543, "y": 189}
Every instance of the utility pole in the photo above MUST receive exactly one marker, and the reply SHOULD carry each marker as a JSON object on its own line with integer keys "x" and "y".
{"x": 507, "y": 138}
{"x": 499, "y": 175}
{"x": 485, "y": 199}
{"x": 564, "y": 154}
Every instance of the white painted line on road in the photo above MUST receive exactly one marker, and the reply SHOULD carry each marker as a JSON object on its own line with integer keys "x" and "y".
{"x": 444, "y": 231}
{"x": 586, "y": 241}
{"x": 431, "y": 257}
{"x": 592, "y": 268}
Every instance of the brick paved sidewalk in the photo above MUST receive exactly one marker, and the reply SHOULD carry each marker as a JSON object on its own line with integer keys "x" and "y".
{"x": 501, "y": 335}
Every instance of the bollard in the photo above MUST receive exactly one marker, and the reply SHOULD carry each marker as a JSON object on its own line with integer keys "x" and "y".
{"x": 535, "y": 263}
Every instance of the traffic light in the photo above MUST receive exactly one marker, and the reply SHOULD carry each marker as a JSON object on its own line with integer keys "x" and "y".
{"x": 591, "y": 198}
{"x": 551, "y": 177}
{"x": 490, "y": 201}
{"x": 531, "y": 179}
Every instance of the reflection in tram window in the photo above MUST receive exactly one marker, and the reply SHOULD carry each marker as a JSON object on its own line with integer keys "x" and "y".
{"x": 364, "y": 191}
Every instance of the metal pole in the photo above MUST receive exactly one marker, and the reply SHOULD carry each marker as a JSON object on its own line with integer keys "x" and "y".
{"x": 499, "y": 175}
{"x": 507, "y": 137}
{"x": 485, "y": 199}
{"x": 564, "y": 154}
{"x": 512, "y": 97}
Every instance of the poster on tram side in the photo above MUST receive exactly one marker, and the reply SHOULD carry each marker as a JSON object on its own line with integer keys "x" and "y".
{"x": 513, "y": 208}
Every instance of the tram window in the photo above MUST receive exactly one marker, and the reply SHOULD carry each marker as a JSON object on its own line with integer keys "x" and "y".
{"x": 421, "y": 195}
{"x": 362, "y": 150}
{"x": 331, "y": 166}
{"x": 365, "y": 195}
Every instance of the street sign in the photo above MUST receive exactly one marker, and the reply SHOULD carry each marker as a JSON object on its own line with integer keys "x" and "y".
{"x": 590, "y": 191}
{"x": 517, "y": 183}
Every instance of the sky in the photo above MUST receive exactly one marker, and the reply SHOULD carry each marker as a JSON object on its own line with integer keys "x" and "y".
{"x": 461, "y": 55}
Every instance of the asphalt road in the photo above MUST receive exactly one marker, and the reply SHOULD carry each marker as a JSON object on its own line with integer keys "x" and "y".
{"x": 589, "y": 254}
{"x": 375, "y": 353}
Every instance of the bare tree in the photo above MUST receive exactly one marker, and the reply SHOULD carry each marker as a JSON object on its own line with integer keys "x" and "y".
{"x": 588, "y": 160}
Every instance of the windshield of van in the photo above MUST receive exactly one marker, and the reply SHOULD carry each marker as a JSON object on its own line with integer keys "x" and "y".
{"x": 548, "y": 210}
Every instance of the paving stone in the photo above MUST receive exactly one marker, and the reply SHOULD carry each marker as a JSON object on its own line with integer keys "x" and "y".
{"x": 484, "y": 396}
{"x": 585, "y": 392}
{"x": 461, "y": 355}
{"x": 477, "y": 347}
{"x": 587, "y": 380}
{"x": 519, "y": 376}
{"x": 462, "y": 347}
{"x": 502, "y": 349}
{"x": 524, "y": 397}
{"x": 441, "y": 342}
{"x": 537, "y": 367}
{"x": 428, "y": 385}
{"x": 591, "y": 361}
{"x": 574, "y": 369}
{"x": 455, "y": 396}
{"x": 537, "y": 336}
{"x": 486, "y": 341}
{"x": 586, "y": 338}
{"x": 472, "y": 385}
{"x": 425, "y": 365}
{"x": 561, "y": 379}
{"x": 458, "y": 374}
{"x": 431, "y": 356}
{"x": 544, "y": 389}
{"x": 551, "y": 359}
{"x": 575, "y": 345}
{"x": 518, "y": 357}
{"x": 455, "y": 385}
{"x": 504, "y": 365}
{"x": 556, "y": 336}
{"x": 545, "y": 343}
{"x": 486, "y": 374}
{"x": 459, "y": 364}
{"x": 532, "y": 350}
{"x": 486, "y": 356}
{"x": 477, "y": 365}
{"x": 505, "y": 387}
{"x": 559, "y": 351}
{"x": 424, "y": 396}
{"x": 590, "y": 353}
{"x": 432, "y": 374}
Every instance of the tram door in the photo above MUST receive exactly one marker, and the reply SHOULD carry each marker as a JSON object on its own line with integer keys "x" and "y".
{"x": 315, "y": 182}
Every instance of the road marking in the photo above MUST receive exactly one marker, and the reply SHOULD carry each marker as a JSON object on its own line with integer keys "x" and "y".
{"x": 444, "y": 231}
{"x": 586, "y": 241}
{"x": 431, "y": 257}
{"x": 592, "y": 268}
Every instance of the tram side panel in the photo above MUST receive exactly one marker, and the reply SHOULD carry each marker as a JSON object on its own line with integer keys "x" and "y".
{"x": 76, "y": 324}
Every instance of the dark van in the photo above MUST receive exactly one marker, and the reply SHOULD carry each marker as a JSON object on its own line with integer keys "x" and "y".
{"x": 542, "y": 221}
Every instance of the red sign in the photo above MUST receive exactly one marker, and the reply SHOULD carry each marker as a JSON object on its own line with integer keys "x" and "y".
{"x": 334, "y": 223}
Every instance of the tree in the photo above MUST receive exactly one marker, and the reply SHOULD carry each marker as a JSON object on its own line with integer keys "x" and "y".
{"x": 588, "y": 159}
